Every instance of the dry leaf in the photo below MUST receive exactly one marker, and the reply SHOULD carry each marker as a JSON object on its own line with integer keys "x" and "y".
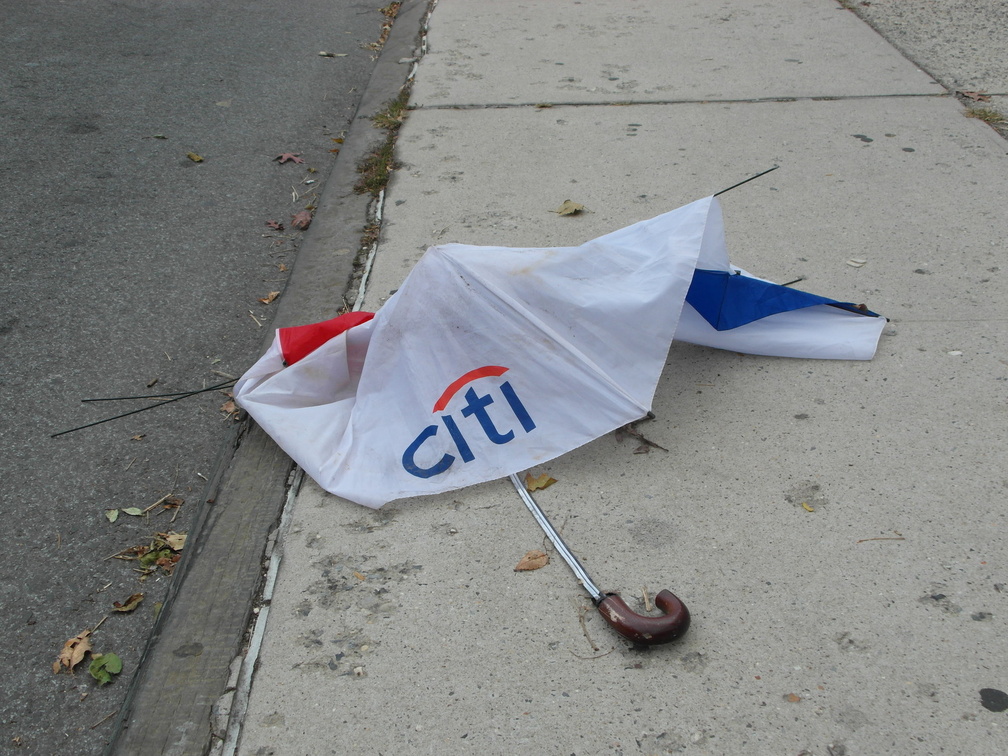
{"x": 194, "y": 157}
{"x": 129, "y": 604}
{"x": 229, "y": 407}
{"x": 73, "y": 652}
{"x": 167, "y": 564}
{"x": 275, "y": 225}
{"x": 301, "y": 220}
{"x": 282, "y": 267}
{"x": 173, "y": 502}
{"x": 138, "y": 437}
{"x": 569, "y": 208}
{"x": 174, "y": 541}
{"x": 270, "y": 297}
{"x": 537, "y": 484}
{"x": 533, "y": 560}
{"x": 133, "y": 511}
{"x": 289, "y": 157}
{"x": 977, "y": 96}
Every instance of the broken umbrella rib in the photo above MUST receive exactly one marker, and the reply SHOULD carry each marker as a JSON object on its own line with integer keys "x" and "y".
{"x": 175, "y": 398}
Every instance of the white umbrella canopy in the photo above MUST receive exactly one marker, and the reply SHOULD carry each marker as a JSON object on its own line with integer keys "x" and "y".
{"x": 490, "y": 360}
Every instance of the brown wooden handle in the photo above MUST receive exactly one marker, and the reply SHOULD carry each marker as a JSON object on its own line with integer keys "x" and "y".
{"x": 642, "y": 628}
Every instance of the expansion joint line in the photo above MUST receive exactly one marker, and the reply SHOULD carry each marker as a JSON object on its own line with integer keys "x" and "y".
{"x": 684, "y": 101}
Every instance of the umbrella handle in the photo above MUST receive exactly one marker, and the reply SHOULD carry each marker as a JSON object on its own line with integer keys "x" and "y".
{"x": 642, "y": 628}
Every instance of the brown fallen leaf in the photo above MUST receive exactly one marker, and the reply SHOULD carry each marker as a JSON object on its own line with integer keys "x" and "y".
{"x": 537, "y": 484}
{"x": 130, "y": 554}
{"x": 275, "y": 225}
{"x": 569, "y": 208}
{"x": 289, "y": 157}
{"x": 229, "y": 407}
{"x": 302, "y": 219}
{"x": 167, "y": 564}
{"x": 129, "y": 604}
{"x": 194, "y": 157}
{"x": 270, "y": 297}
{"x": 792, "y": 698}
{"x": 173, "y": 502}
{"x": 73, "y": 652}
{"x": 976, "y": 96}
{"x": 533, "y": 560}
{"x": 282, "y": 267}
{"x": 174, "y": 541}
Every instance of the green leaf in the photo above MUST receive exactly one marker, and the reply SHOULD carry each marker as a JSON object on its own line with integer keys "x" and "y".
{"x": 103, "y": 666}
{"x": 133, "y": 511}
{"x": 112, "y": 514}
{"x": 153, "y": 555}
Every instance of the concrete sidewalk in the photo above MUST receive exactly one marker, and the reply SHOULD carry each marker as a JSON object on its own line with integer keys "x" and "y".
{"x": 834, "y": 527}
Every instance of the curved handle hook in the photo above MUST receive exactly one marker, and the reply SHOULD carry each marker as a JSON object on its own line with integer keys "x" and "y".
{"x": 642, "y": 628}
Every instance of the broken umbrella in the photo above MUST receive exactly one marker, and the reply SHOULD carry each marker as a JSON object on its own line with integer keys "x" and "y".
{"x": 489, "y": 360}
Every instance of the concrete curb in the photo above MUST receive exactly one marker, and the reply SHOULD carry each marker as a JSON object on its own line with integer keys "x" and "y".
{"x": 198, "y": 642}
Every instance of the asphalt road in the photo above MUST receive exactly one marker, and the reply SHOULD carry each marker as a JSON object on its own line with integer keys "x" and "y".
{"x": 131, "y": 269}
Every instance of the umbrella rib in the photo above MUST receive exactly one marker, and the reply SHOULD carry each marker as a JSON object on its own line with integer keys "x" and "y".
{"x": 516, "y": 306}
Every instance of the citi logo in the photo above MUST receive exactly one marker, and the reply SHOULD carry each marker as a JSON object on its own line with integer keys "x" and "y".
{"x": 475, "y": 418}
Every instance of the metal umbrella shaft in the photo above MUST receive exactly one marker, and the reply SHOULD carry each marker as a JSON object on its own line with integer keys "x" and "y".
{"x": 557, "y": 541}
{"x": 639, "y": 628}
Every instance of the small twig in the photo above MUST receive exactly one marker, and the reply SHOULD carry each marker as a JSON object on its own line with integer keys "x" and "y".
{"x": 882, "y": 538}
{"x": 255, "y": 319}
{"x": 584, "y": 628}
{"x": 130, "y": 464}
{"x": 100, "y": 622}
{"x": 589, "y": 658}
{"x": 106, "y": 719}
{"x": 160, "y": 501}
{"x": 630, "y": 430}
{"x": 222, "y": 374}
{"x": 800, "y": 278}
{"x": 647, "y": 599}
